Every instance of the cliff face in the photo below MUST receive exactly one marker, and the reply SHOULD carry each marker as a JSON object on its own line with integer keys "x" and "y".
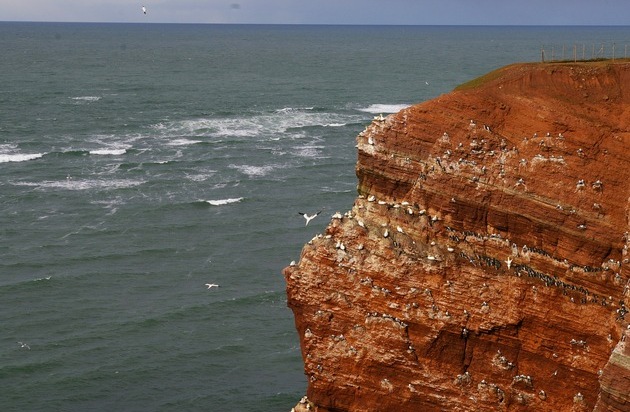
{"x": 484, "y": 264}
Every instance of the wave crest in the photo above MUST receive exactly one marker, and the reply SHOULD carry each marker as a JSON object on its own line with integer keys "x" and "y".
{"x": 221, "y": 202}
{"x": 384, "y": 108}
{"x": 5, "y": 158}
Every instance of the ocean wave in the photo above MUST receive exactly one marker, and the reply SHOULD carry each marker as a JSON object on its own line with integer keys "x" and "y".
{"x": 268, "y": 126}
{"x": 200, "y": 177}
{"x": 383, "y": 108}
{"x": 19, "y": 157}
{"x": 183, "y": 142}
{"x": 72, "y": 184}
{"x": 71, "y": 152}
{"x": 106, "y": 152}
{"x": 294, "y": 109}
{"x": 253, "y": 171}
{"x": 221, "y": 202}
{"x": 312, "y": 151}
{"x": 87, "y": 98}
{"x": 7, "y": 147}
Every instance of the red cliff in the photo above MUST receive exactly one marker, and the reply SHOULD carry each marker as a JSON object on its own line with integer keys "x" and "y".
{"x": 484, "y": 264}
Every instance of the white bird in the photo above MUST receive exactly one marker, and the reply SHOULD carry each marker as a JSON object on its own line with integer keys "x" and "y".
{"x": 212, "y": 285}
{"x": 144, "y": 10}
{"x": 309, "y": 217}
{"x": 24, "y": 345}
{"x": 509, "y": 262}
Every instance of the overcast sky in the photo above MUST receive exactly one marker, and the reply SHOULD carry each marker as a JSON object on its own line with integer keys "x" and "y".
{"x": 415, "y": 12}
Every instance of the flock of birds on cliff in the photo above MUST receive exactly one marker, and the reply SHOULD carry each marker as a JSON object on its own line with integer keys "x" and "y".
{"x": 478, "y": 149}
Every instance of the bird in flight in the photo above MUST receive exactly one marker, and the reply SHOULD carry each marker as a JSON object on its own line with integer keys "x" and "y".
{"x": 144, "y": 10}
{"x": 24, "y": 345}
{"x": 212, "y": 285}
{"x": 309, "y": 217}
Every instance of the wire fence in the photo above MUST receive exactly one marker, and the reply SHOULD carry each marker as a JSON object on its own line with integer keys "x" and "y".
{"x": 584, "y": 52}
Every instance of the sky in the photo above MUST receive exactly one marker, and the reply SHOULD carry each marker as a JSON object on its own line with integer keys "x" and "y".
{"x": 395, "y": 12}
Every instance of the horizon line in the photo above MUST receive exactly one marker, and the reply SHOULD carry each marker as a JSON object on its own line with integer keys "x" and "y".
{"x": 313, "y": 24}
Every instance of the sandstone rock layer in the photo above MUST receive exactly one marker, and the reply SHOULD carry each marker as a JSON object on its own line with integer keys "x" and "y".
{"x": 484, "y": 264}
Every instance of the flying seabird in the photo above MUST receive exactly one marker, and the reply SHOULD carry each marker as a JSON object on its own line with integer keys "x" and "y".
{"x": 24, "y": 345}
{"x": 144, "y": 10}
{"x": 309, "y": 217}
{"x": 212, "y": 285}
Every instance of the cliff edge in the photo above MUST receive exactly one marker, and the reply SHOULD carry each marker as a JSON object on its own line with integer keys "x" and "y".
{"x": 484, "y": 264}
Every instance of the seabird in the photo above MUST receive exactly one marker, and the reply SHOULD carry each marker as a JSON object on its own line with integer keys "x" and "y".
{"x": 309, "y": 217}
{"x": 24, "y": 345}
{"x": 212, "y": 285}
{"x": 144, "y": 10}
{"x": 509, "y": 262}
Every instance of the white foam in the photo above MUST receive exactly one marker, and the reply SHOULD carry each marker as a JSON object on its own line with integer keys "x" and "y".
{"x": 75, "y": 184}
{"x": 253, "y": 171}
{"x": 182, "y": 142}
{"x": 270, "y": 125}
{"x": 106, "y": 152}
{"x": 384, "y": 108}
{"x": 221, "y": 202}
{"x": 308, "y": 151}
{"x": 200, "y": 177}
{"x": 87, "y": 98}
{"x": 5, "y": 158}
{"x": 294, "y": 109}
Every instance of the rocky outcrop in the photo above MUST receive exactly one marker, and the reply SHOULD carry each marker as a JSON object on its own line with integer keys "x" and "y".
{"x": 614, "y": 395}
{"x": 484, "y": 264}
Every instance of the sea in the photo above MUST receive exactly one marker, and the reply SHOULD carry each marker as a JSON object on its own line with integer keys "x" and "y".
{"x": 139, "y": 162}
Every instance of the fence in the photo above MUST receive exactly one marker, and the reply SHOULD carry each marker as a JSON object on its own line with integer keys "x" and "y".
{"x": 584, "y": 52}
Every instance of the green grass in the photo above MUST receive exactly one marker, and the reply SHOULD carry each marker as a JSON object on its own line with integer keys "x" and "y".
{"x": 479, "y": 81}
{"x": 495, "y": 74}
